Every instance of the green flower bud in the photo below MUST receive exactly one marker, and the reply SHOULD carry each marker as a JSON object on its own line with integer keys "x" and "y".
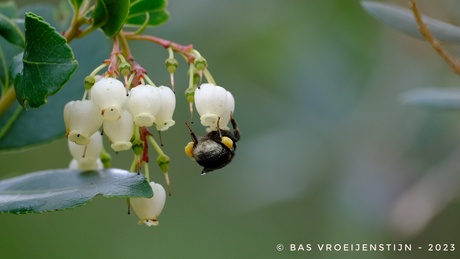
{"x": 190, "y": 95}
{"x": 171, "y": 65}
{"x": 124, "y": 68}
{"x": 106, "y": 158}
{"x": 200, "y": 63}
{"x": 89, "y": 82}
{"x": 163, "y": 163}
{"x": 138, "y": 147}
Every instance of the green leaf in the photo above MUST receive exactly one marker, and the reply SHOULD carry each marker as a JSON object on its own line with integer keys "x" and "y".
{"x": 403, "y": 20}
{"x": 39, "y": 126}
{"x": 9, "y": 9}
{"x": 76, "y": 3}
{"x": 155, "y": 18}
{"x": 48, "y": 63}
{"x": 433, "y": 98}
{"x": 110, "y": 15}
{"x": 11, "y": 32}
{"x": 62, "y": 189}
{"x": 155, "y": 9}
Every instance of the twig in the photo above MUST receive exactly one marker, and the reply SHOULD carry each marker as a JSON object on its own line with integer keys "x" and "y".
{"x": 426, "y": 33}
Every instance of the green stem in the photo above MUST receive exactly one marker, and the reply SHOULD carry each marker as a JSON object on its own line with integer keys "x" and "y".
{"x": 144, "y": 25}
{"x": 155, "y": 145}
{"x": 10, "y": 121}
{"x": 5, "y": 71}
{"x": 146, "y": 172}
{"x": 7, "y": 100}
{"x": 209, "y": 77}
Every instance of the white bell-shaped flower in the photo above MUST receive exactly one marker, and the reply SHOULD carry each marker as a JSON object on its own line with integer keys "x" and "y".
{"x": 168, "y": 103}
{"x": 87, "y": 155}
{"x": 225, "y": 118}
{"x": 144, "y": 103}
{"x": 148, "y": 209}
{"x": 81, "y": 119}
{"x": 120, "y": 131}
{"x": 109, "y": 95}
{"x": 86, "y": 167}
{"x": 211, "y": 103}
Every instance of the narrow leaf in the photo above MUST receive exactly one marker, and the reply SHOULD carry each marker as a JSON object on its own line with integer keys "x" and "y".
{"x": 110, "y": 15}
{"x": 66, "y": 189}
{"x": 403, "y": 19}
{"x": 434, "y": 98}
{"x": 11, "y": 32}
{"x": 48, "y": 63}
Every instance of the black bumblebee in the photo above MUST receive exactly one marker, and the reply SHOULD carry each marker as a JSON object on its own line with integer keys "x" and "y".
{"x": 216, "y": 149}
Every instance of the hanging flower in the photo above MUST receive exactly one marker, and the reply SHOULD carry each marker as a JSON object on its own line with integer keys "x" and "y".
{"x": 87, "y": 156}
{"x": 168, "y": 103}
{"x": 144, "y": 103}
{"x": 81, "y": 119}
{"x": 148, "y": 209}
{"x": 212, "y": 102}
{"x": 120, "y": 131}
{"x": 225, "y": 118}
{"x": 96, "y": 166}
{"x": 109, "y": 95}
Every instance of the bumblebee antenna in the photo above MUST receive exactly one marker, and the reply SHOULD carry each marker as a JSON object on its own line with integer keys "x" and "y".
{"x": 192, "y": 135}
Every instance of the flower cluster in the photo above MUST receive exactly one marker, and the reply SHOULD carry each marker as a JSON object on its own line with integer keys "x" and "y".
{"x": 121, "y": 114}
{"x": 118, "y": 111}
{"x": 124, "y": 112}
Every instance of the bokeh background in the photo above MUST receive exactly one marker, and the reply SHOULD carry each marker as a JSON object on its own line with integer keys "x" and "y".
{"x": 329, "y": 153}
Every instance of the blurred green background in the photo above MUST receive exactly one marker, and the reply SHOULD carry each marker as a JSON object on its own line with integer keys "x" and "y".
{"x": 327, "y": 152}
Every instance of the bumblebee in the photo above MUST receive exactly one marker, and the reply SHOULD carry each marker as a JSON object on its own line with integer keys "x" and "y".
{"x": 216, "y": 149}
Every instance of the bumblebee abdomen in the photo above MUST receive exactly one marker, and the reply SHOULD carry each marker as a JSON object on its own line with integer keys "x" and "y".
{"x": 212, "y": 155}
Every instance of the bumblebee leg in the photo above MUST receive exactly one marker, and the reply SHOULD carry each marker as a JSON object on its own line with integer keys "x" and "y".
{"x": 236, "y": 130}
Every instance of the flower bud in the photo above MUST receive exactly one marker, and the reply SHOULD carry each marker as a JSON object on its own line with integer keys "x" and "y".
{"x": 163, "y": 119}
{"x": 82, "y": 119}
{"x": 211, "y": 103}
{"x": 144, "y": 103}
{"x": 120, "y": 131}
{"x": 87, "y": 156}
{"x": 89, "y": 82}
{"x": 200, "y": 63}
{"x": 171, "y": 65}
{"x": 109, "y": 95}
{"x": 148, "y": 209}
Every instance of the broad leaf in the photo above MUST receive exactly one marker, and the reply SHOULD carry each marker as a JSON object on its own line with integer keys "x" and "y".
{"x": 38, "y": 126}
{"x": 11, "y": 32}
{"x": 110, "y": 15}
{"x": 155, "y": 9}
{"x": 48, "y": 63}
{"x": 434, "y": 98}
{"x": 403, "y": 20}
{"x": 66, "y": 189}
{"x": 155, "y": 18}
